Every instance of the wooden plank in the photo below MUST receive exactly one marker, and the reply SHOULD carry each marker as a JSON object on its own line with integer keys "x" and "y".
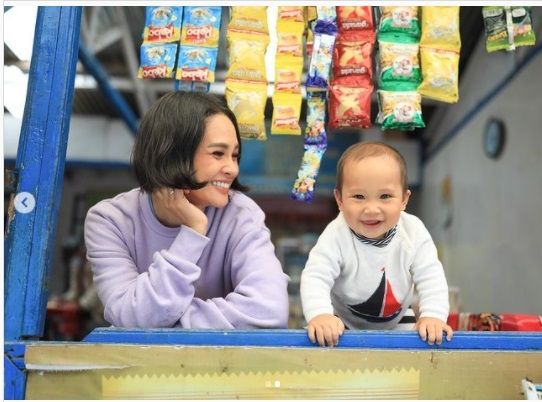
{"x": 40, "y": 167}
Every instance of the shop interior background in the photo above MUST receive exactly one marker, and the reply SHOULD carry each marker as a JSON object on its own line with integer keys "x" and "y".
{"x": 483, "y": 213}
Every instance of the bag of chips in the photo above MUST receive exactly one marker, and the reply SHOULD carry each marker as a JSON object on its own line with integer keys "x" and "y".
{"x": 400, "y": 110}
{"x": 440, "y": 74}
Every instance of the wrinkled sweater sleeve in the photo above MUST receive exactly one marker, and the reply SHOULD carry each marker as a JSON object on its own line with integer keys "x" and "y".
{"x": 153, "y": 299}
{"x": 321, "y": 270}
{"x": 259, "y": 298}
{"x": 428, "y": 276}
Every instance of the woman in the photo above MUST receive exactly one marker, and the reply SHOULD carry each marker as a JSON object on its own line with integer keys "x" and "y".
{"x": 186, "y": 249}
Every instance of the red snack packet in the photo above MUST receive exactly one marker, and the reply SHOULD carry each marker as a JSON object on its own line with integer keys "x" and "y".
{"x": 350, "y": 105}
{"x": 352, "y": 58}
{"x": 355, "y": 18}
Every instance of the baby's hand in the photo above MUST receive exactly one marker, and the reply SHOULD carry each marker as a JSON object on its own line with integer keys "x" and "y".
{"x": 326, "y": 329}
{"x": 430, "y": 330}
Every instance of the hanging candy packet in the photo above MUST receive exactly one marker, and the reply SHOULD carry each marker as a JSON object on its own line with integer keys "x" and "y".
{"x": 320, "y": 64}
{"x": 327, "y": 20}
{"x": 290, "y": 39}
{"x": 401, "y": 20}
{"x": 303, "y": 188}
{"x": 399, "y": 65}
{"x": 350, "y": 106}
{"x": 286, "y": 112}
{"x": 496, "y": 28}
{"x": 157, "y": 60}
{"x": 196, "y": 63}
{"x": 162, "y": 24}
{"x": 522, "y": 26}
{"x": 440, "y": 27}
{"x": 201, "y": 26}
{"x": 247, "y": 101}
{"x": 249, "y": 18}
{"x": 440, "y": 74}
{"x": 400, "y": 110}
{"x": 315, "y": 131}
{"x": 291, "y": 13}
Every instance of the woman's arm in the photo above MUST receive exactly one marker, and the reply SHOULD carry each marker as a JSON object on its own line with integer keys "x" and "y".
{"x": 153, "y": 299}
{"x": 259, "y": 298}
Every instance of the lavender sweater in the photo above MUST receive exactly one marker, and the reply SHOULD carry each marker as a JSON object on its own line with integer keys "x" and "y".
{"x": 151, "y": 276}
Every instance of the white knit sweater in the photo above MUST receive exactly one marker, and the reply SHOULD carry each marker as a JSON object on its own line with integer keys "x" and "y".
{"x": 370, "y": 287}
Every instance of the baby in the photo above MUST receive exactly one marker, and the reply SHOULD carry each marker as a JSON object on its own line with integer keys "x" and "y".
{"x": 362, "y": 271}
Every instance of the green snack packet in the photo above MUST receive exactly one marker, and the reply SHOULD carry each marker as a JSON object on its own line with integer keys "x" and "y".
{"x": 495, "y": 27}
{"x": 522, "y": 26}
{"x": 402, "y": 20}
{"x": 399, "y": 66}
{"x": 400, "y": 110}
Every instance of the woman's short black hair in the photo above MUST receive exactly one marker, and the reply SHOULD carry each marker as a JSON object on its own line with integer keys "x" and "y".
{"x": 168, "y": 136}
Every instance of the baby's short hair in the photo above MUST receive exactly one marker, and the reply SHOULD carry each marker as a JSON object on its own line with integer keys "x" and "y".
{"x": 362, "y": 150}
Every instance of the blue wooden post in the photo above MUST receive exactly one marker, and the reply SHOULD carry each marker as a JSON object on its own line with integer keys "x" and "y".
{"x": 114, "y": 97}
{"x": 40, "y": 170}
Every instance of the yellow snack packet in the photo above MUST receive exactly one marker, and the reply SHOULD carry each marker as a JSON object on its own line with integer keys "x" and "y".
{"x": 247, "y": 56}
{"x": 291, "y": 13}
{"x": 440, "y": 27}
{"x": 247, "y": 101}
{"x": 440, "y": 74}
{"x": 286, "y": 112}
{"x": 249, "y": 18}
{"x": 288, "y": 74}
{"x": 290, "y": 39}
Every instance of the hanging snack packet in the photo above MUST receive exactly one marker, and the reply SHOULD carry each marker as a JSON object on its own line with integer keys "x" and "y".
{"x": 157, "y": 60}
{"x": 522, "y": 25}
{"x": 196, "y": 63}
{"x": 400, "y": 110}
{"x": 291, "y": 13}
{"x": 315, "y": 131}
{"x": 399, "y": 20}
{"x": 320, "y": 64}
{"x": 496, "y": 28}
{"x": 440, "y": 27}
{"x": 249, "y": 19}
{"x": 290, "y": 40}
{"x": 399, "y": 65}
{"x": 247, "y": 101}
{"x": 162, "y": 24}
{"x": 440, "y": 74}
{"x": 201, "y": 26}
{"x": 247, "y": 56}
{"x": 352, "y": 58}
{"x": 356, "y": 18}
{"x": 327, "y": 20}
{"x": 286, "y": 112}
{"x": 350, "y": 106}
{"x": 288, "y": 74}
{"x": 303, "y": 189}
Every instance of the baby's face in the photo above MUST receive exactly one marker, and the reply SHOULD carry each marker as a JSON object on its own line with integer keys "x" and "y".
{"x": 372, "y": 196}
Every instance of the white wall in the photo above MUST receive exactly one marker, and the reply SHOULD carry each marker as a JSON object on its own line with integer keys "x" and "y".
{"x": 492, "y": 250}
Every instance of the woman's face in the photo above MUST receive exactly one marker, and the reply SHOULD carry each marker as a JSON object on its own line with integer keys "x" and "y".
{"x": 216, "y": 162}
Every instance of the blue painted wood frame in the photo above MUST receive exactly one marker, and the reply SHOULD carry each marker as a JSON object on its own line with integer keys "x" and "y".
{"x": 14, "y": 371}
{"x": 115, "y": 98}
{"x": 510, "y": 341}
{"x": 40, "y": 169}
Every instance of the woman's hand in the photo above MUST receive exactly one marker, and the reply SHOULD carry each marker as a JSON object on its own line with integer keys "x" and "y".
{"x": 326, "y": 329}
{"x": 173, "y": 209}
{"x": 430, "y": 330}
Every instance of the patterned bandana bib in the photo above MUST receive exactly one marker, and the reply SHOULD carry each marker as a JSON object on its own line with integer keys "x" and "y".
{"x": 378, "y": 242}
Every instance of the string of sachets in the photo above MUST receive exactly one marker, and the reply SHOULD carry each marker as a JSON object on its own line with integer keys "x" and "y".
{"x": 406, "y": 52}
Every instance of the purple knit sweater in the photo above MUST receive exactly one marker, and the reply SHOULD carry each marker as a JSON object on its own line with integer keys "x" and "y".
{"x": 150, "y": 276}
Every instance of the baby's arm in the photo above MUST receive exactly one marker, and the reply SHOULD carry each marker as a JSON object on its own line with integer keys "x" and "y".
{"x": 430, "y": 330}
{"x": 326, "y": 329}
